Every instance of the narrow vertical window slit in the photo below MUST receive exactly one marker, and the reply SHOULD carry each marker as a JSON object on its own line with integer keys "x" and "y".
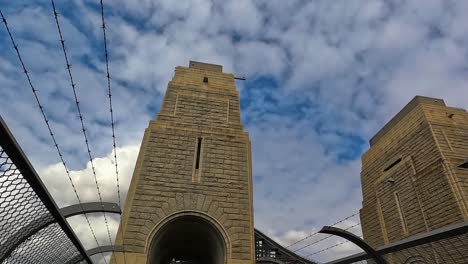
{"x": 197, "y": 162}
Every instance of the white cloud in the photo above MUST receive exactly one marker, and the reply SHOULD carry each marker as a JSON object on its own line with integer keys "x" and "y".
{"x": 58, "y": 184}
{"x": 257, "y": 57}
{"x": 240, "y": 16}
{"x": 441, "y": 63}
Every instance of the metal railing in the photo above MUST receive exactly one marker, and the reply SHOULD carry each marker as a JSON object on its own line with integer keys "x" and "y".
{"x": 32, "y": 228}
{"x": 269, "y": 251}
{"x": 448, "y": 244}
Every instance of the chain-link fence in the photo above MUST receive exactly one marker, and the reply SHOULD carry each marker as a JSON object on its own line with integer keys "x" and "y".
{"x": 32, "y": 230}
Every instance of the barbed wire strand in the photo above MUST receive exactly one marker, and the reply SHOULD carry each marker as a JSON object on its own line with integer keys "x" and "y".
{"x": 328, "y": 236}
{"x": 80, "y": 116}
{"x": 325, "y": 249}
{"x": 109, "y": 90}
{"x": 41, "y": 108}
{"x": 313, "y": 234}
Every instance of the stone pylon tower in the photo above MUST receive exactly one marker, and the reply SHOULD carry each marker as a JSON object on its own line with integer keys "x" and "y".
{"x": 190, "y": 198}
{"x": 415, "y": 176}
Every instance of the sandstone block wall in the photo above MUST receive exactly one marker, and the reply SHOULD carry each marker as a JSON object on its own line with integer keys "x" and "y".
{"x": 410, "y": 178}
{"x": 200, "y": 105}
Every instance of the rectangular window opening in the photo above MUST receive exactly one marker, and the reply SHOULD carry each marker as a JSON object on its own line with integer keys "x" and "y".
{"x": 392, "y": 165}
{"x": 197, "y": 162}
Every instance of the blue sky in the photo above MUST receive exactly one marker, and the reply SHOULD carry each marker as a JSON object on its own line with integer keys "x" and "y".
{"x": 322, "y": 78}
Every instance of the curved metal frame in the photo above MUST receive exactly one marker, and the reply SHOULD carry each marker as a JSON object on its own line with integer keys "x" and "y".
{"x": 97, "y": 250}
{"x": 439, "y": 234}
{"x": 355, "y": 240}
{"x": 76, "y": 209}
{"x": 94, "y": 207}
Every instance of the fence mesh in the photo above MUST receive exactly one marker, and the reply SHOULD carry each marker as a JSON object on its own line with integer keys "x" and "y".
{"x": 49, "y": 245}
{"x": 21, "y": 210}
{"x": 28, "y": 230}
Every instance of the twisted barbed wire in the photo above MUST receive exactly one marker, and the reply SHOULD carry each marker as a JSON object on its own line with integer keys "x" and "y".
{"x": 41, "y": 108}
{"x": 80, "y": 116}
{"x": 327, "y": 237}
{"x": 325, "y": 249}
{"x": 109, "y": 90}
{"x": 313, "y": 234}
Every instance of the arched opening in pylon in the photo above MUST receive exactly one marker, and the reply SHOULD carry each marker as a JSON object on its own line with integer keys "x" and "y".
{"x": 188, "y": 240}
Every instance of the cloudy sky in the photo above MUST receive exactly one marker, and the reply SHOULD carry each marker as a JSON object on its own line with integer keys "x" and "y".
{"x": 322, "y": 78}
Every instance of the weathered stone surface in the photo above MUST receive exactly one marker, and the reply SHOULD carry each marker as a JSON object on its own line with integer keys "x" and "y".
{"x": 410, "y": 178}
{"x": 166, "y": 181}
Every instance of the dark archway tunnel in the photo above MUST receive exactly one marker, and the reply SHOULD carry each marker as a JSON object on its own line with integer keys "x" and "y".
{"x": 188, "y": 240}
